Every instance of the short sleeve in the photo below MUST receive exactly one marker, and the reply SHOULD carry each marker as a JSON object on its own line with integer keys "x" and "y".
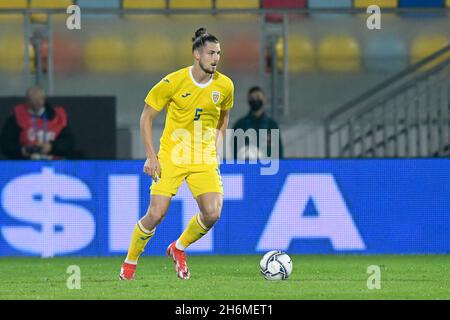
{"x": 160, "y": 95}
{"x": 227, "y": 103}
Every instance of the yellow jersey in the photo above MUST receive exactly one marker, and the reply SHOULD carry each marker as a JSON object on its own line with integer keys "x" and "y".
{"x": 193, "y": 112}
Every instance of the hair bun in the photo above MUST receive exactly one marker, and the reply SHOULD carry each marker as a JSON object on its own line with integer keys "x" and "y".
{"x": 199, "y": 32}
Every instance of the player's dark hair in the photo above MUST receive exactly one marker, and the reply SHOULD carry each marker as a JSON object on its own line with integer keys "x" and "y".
{"x": 254, "y": 89}
{"x": 201, "y": 37}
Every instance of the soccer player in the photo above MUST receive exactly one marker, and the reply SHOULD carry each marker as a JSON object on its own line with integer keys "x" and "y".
{"x": 198, "y": 99}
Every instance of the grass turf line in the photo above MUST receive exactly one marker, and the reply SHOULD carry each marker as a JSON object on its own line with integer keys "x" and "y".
{"x": 229, "y": 277}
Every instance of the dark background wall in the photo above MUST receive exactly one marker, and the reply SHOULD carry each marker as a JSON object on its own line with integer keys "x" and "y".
{"x": 92, "y": 120}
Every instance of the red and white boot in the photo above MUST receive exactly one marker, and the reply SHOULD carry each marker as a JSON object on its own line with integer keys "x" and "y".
{"x": 128, "y": 271}
{"x": 179, "y": 259}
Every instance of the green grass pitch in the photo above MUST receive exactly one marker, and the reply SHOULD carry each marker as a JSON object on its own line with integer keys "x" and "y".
{"x": 229, "y": 277}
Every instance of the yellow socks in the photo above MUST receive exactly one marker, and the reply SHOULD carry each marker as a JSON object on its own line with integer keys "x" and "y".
{"x": 139, "y": 239}
{"x": 194, "y": 231}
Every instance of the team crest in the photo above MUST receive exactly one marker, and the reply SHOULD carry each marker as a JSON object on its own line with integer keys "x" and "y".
{"x": 215, "y": 96}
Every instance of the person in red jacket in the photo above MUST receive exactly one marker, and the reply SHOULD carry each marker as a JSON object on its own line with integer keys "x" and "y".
{"x": 36, "y": 130}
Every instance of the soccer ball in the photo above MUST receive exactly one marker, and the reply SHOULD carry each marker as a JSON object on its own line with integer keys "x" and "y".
{"x": 275, "y": 265}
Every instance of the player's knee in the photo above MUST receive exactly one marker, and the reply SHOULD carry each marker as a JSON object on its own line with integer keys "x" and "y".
{"x": 211, "y": 213}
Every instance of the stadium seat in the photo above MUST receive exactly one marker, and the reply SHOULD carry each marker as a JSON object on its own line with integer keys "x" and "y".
{"x": 99, "y": 4}
{"x": 421, "y": 3}
{"x": 152, "y": 53}
{"x": 425, "y": 45}
{"x": 53, "y": 4}
{"x": 241, "y": 53}
{"x": 12, "y": 4}
{"x": 191, "y": 4}
{"x": 326, "y": 4}
{"x": 362, "y": 4}
{"x": 12, "y": 54}
{"x": 68, "y": 53}
{"x": 301, "y": 54}
{"x": 182, "y": 49}
{"x": 144, "y": 4}
{"x": 287, "y": 4}
{"x": 339, "y": 53}
{"x": 385, "y": 53}
{"x": 238, "y": 4}
{"x": 106, "y": 54}
{"x": 329, "y": 4}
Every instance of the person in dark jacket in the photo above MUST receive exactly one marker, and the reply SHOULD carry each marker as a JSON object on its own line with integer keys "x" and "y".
{"x": 37, "y": 130}
{"x": 256, "y": 119}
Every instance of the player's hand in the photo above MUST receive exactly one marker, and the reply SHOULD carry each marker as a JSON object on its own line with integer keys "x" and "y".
{"x": 153, "y": 168}
{"x": 46, "y": 148}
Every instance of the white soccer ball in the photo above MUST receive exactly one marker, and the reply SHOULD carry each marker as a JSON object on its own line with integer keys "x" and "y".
{"x": 275, "y": 265}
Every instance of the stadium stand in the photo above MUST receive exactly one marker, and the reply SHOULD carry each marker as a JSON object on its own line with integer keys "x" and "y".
{"x": 241, "y": 54}
{"x": 301, "y": 53}
{"x": 289, "y": 4}
{"x": 146, "y": 57}
{"x": 144, "y": 4}
{"x": 12, "y": 4}
{"x": 106, "y": 54}
{"x": 68, "y": 54}
{"x": 99, "y": 4}
{"x": 183, "y": 56}
{"x": 326, "y": 4}
{"x": 190, "y": 4}
{"x": 12, "y": 54}
{"x": 420, "y": 3}
{"x": 53, "y": 4}
{"x": 339, "y": 53}
{"x": 425, "y": 45}
{"x": 329, "y": 4}
{"x": 380, "y": 49}
{"x": 237, "y": 4}
{"x": 361, "y": 4}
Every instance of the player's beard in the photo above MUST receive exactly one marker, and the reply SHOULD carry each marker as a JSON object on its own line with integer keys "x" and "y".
{"x": 204, "y": 69}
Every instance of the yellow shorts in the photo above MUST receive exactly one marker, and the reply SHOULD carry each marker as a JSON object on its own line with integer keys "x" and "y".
{"x": 200, "y": 180}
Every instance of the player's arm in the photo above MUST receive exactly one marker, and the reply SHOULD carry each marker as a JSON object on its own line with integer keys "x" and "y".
{"x": 222, "y": 126}
{"x": 151, "y": 166}
{"x": 158, "y": 97}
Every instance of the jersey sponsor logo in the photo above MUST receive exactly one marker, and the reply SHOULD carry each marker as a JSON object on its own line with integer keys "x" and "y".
{"x": 215, "y": 96}
{"x": 185, "y": 95}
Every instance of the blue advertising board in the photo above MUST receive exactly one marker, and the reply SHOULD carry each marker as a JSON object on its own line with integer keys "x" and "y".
{"x": 90, "y": 208}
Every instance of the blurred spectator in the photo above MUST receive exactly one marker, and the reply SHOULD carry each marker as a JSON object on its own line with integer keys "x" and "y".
{"x": 256, "y": 119}
{"x": 36, "y": 130}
